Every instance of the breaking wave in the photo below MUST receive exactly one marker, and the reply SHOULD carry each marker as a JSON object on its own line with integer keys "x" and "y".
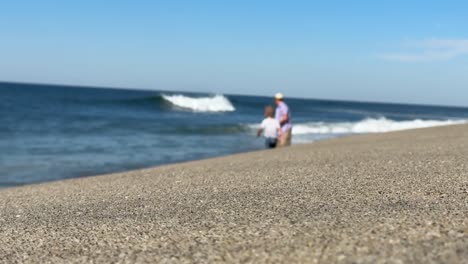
{"x": 369, "y": 125}
{"x": 217, "y": 103}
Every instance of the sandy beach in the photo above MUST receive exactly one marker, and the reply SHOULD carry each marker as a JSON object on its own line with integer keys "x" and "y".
{"x": 399, "y": 197}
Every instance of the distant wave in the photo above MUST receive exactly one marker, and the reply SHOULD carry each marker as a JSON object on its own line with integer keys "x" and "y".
{"x": 217, "y": 103}
{"x": 369, "y": 125}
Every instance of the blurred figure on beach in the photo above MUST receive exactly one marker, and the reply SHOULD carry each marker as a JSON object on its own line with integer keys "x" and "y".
{"x": 270, "y": 128}
{"x": 283, "y": 116}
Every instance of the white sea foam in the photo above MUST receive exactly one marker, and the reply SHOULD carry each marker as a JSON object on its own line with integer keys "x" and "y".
{"x": 217, "y": 103}
{"x": 369, "y": 125}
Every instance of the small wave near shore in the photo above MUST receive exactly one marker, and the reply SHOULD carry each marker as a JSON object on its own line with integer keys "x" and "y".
{"x": 312, "y": 131}
{"x": 369, "y": 125}
{"x": 216, "y": 103}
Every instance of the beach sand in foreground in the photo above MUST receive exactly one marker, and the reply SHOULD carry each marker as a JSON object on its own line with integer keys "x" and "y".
{"x": 397, "y": 198}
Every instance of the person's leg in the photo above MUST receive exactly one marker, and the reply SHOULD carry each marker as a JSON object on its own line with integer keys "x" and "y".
{"x": 285, "y": 139}
{"x": 270, "y": 142}
{"x": 273, "y": 142}
{"x": 288, "y": 137}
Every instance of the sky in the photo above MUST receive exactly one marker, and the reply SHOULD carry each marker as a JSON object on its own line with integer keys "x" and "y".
{"x": 385, "y": 51}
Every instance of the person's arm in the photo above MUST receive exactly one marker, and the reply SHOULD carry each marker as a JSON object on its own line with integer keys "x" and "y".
{"x": 284, "y": 119}
{"x": 278, "y": 129}
{"x": 279, "y": 132}
{"x": 261, "y": 128}
{"x": 259, "y": 131}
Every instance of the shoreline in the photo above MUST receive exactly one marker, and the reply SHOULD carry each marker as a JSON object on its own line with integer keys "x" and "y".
{"x": 398, "y": 197}
{"x": 7, "y": 186}
{"x": 3, "y": 187}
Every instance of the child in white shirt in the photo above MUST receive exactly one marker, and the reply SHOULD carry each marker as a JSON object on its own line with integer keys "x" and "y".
{"x": 270, "y": 128}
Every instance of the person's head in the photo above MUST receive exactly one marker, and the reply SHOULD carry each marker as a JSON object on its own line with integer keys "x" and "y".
{"x": 278, "y": 98}
{"x": 269, "y": 111}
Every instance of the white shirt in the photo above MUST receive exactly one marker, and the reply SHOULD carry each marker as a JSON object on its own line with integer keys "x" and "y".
{"x": 270, "y": 127}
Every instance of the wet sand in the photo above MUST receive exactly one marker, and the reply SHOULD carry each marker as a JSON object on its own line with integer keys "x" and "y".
{"x": 385, "y": 198}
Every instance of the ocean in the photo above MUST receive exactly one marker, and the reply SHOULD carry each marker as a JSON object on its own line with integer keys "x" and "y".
{"x": 51, "y": 132}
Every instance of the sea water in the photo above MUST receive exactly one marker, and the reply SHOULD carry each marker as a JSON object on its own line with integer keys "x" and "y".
{"x": 56, "y": 132}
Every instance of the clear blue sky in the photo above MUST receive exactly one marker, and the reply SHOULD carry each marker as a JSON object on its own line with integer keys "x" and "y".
{"x": 396, "y": 51}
